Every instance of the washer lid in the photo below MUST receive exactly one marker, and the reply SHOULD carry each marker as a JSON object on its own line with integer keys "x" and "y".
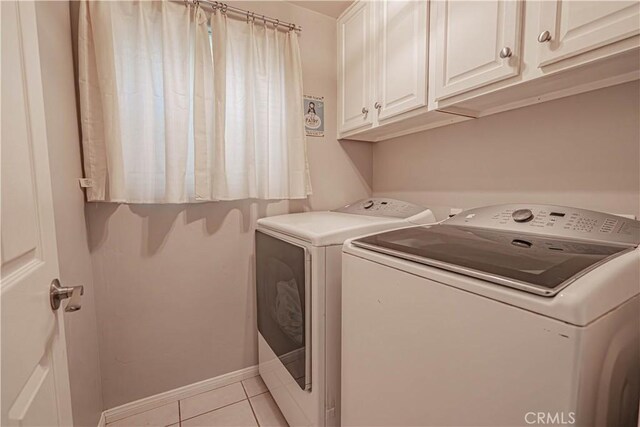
{"x": 536, "y": 264}
{"x": 328, "y": 228}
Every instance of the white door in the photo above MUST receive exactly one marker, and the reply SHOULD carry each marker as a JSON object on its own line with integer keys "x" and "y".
{"x": 569, "y": 28}
{"x": 354, "y": 68}
{"x": 401, "y": 57}
{"x": 35, "y": 381}
{"x": 477, "y": 43}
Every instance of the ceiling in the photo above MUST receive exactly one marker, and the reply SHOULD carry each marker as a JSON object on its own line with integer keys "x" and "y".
{"x": 331, "y": 8}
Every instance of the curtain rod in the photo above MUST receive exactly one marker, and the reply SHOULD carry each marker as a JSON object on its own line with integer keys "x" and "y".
{"x": 224, "y": 7}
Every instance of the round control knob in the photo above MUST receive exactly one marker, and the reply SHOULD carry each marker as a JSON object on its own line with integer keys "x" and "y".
{"x": 368, "y": 205}
{"x": 522, "y": 215}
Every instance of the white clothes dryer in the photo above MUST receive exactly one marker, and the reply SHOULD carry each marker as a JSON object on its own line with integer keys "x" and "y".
{"x": 298, "y": 285}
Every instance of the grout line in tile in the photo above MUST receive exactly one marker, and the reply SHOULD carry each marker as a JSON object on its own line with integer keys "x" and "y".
{"x": 213, "y": 410}
{"x": 203, "y": 392}
{"x": 245, "y": 389}
{"x": 259, "y": 394}
{"x": 216, "y": 388}
{"x": 253, "y": 412}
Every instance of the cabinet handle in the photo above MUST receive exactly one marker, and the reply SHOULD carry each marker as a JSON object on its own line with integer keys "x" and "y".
{"x": 377, "y": 106}
{"x": 365, "y": 110}
{"x": 506, "y": 52}
{"x": 544, "y": 36}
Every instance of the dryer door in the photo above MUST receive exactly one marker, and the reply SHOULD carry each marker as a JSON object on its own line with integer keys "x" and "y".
{"x": 283, "y": 286}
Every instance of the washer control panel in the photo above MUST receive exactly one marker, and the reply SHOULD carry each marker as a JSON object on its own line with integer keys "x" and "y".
{"x": 378, "y": 206}
{"x": 549, "y": 220}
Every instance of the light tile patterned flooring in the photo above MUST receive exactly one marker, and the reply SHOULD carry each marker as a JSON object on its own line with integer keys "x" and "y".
{"x": 245, "y": 403}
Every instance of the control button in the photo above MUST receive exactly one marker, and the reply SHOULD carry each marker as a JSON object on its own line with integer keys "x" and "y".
{"x": 369, "y": 204}
{"x": 522, "y": 215}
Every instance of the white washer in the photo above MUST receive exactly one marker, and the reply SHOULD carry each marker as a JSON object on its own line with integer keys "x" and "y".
{"x": 504, "y": 315}
{"x": 298, "y": 284}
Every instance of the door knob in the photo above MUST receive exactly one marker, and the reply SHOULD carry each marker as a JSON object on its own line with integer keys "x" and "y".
{"x": 377, "y": 106}
{"x": 544, "y": 36}
{"x": 57, "y": 293}
{"x": 506, "y": 52}
{"x": 365, "y": 110}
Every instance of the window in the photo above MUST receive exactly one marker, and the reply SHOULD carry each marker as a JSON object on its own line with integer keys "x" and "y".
{"x": 174, "y": 114}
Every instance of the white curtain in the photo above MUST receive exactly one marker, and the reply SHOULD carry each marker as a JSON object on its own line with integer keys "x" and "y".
{"x": 169, "y": 118}
{"x": 258, "y": 146}
{"x": 135, "y": 69}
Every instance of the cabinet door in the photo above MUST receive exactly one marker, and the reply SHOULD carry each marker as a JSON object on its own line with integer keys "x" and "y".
{"x": 401, "y": 56}
{"x": 576, "y": 27}
{"x": 477, "y": 43}
{"x": 354, "y": 68}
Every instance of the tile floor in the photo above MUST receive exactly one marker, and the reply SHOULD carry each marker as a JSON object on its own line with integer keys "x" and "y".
{"x": 245, "y": 403}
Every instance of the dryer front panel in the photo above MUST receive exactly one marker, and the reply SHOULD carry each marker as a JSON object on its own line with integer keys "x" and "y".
{"x": 283, "y": 294}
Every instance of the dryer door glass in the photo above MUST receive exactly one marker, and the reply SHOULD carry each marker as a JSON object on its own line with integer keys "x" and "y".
{"x": 282, "y": 286}
{"x": 531, "y": 263}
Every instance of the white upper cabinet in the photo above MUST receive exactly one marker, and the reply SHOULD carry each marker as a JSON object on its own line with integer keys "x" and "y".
{"x": 407, "y": 66}
{"x": 477, "y": 43}
{"x": 570, "y": 28}
{"x": 494, "y": 56}
{"x": 383, "y": 55}
{"x": 401, "y": 57}
{"x": 354, "y": 68}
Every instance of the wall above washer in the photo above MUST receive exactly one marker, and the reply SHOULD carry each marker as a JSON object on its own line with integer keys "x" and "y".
{"x": 580, "y": 151}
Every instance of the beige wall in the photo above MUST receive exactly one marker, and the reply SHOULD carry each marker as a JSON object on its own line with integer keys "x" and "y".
{"x": 579, "y": 151}
{"x": 73, "y": 252}
{"x": 174, "y": 284}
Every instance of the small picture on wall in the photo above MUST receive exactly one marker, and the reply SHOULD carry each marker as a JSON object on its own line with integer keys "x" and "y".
{"x": 314, "y": 115}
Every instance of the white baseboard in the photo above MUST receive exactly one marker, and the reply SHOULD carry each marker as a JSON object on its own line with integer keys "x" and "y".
{"x": 151, "y": 402}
